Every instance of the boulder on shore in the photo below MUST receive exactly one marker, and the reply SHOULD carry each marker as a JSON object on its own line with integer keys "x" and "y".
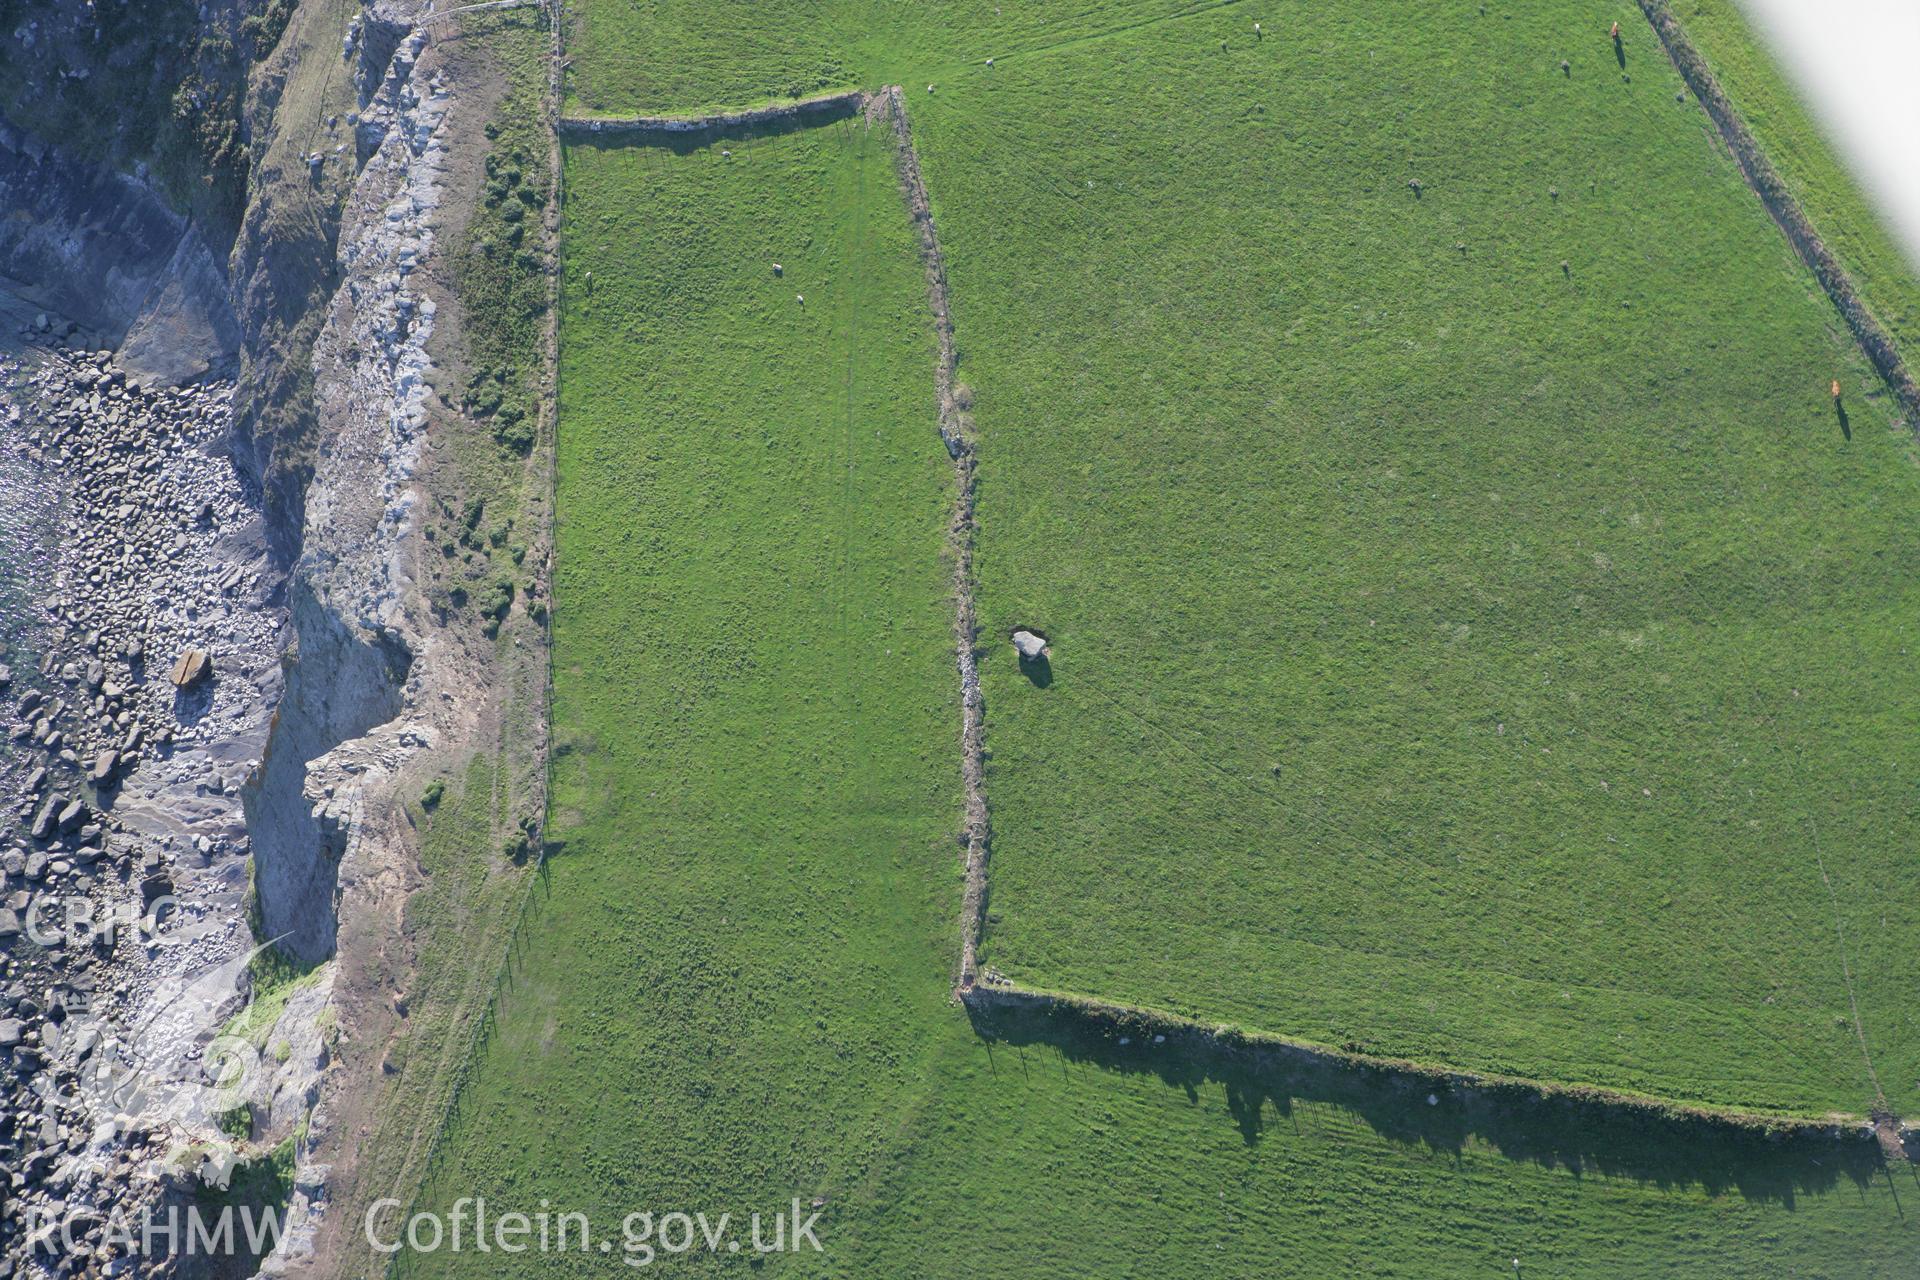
{"x": 43, "y": 824}
{"x": 190, "y": 668}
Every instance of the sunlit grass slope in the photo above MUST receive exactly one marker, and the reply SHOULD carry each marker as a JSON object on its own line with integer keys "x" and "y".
{"x": 740, "y": 952}
{"x": 1372, "y": 542}
{"x": 1476, "y": 636}
{"x": 637, "y": 56}
{"x": 1477, "y": 631}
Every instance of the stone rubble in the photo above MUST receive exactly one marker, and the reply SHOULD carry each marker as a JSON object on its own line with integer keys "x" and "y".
{"x": 128, "y": 792}
{"x": 133, "y": 793}
{"x": 371, "y": 374}
{"x": 373, "y": 355}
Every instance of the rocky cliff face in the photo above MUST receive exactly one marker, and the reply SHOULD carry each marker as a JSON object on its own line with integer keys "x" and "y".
{"x": 337, "y": 437}
{"x": 352, "y": 580}
{"x": 340, "y": 683}
{"x": 309, "y": 295}
{"x": 152, "y": 88}
{"x": 104, "y": 249}
{"x": 365, "y": 373}
{"x": 283, "y": 264}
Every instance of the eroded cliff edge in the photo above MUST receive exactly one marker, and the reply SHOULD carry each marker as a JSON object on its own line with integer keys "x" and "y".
{"x": 328, "y": 291}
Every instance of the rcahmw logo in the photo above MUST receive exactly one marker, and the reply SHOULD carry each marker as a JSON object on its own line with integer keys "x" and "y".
{"x": 172, "y": 1232}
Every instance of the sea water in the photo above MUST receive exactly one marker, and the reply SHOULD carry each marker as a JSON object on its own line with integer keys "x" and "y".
{"x": 29, "y": 527}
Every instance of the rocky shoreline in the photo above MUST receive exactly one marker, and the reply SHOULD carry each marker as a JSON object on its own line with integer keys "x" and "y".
{"x": 125, "y": 916}
{"x": 204, "y": 533}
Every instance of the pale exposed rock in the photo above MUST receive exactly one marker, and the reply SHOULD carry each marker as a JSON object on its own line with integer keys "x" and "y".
{"x": 190, "y": 667}
{"x": 1029, "y": 644}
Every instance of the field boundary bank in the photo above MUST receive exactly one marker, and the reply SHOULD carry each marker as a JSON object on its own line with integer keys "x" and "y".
{"x": 886, "y": 108}
{"x": 1189, "y": 1039}
{"x": 1786, "y": 212}
{"x": 822, "y": 109}
{"x": 1119, "y": 1024}
{"x": 956, "y": 431}
{"x": 1187, "y": 1035}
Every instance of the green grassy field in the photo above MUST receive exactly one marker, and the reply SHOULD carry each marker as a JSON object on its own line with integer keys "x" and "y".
{"x": 1806, "y": 160}
{"x": 1020, "y": 1159}
{"x": 1553, "y": 597}
{"x": 1456, "y": 655}
{"x": 1047, "y": 1159}
{"x": 642, "y": 58}
{"x": 743, "y": 946}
